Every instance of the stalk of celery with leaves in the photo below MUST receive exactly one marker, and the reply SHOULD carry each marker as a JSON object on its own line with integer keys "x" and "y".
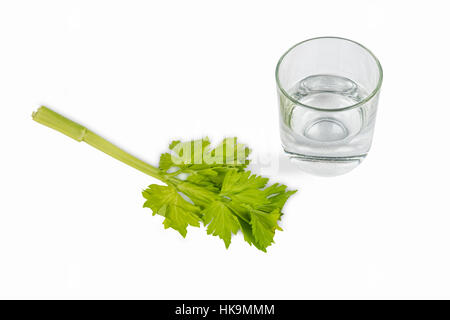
{"x": 203, "y": 185}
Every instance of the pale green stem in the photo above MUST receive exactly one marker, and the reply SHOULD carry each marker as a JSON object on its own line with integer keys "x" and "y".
{"x": 78, "y": 132}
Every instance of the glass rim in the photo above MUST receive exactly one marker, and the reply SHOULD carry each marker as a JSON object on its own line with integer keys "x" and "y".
{"x": 363, "y": 101}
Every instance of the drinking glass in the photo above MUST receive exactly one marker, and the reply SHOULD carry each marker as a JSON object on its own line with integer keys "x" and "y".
{"x": 328, "y": 90}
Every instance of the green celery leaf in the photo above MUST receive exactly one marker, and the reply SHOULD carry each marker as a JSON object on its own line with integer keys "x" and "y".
{"x": 179, "y": 218}
{"x": 246, "y": 229}
{"x": 263, "y": 226}
{"x": 236, "y": 182}
{"x": 165, "y": 162}
{"x": 178, "y": 213}
{"x": 276, "y": 196}
{"x": 201, "y": 196}
{"x": 221, "y": 221}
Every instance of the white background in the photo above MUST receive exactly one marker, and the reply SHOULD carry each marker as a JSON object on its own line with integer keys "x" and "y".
{"x": 144, "y": 72}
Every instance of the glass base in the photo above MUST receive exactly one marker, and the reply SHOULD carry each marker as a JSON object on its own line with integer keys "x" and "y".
{"x": 325, "y": 166}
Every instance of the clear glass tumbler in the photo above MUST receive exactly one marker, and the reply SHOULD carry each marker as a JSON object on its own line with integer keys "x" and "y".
{"x": 328, "y": 92}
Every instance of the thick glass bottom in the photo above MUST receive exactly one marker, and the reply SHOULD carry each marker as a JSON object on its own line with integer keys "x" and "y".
{"x": 325, "y": 166}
